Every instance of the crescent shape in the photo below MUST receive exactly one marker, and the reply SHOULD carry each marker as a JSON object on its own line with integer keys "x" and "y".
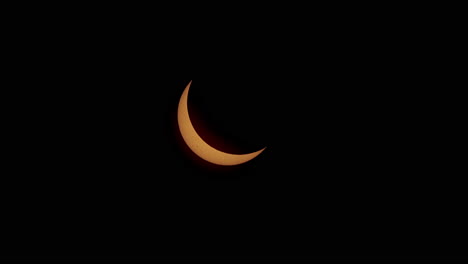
{"x": 199, "y": 146}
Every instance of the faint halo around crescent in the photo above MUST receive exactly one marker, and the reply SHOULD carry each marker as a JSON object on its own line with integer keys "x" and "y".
{"x": 199, "y": 146}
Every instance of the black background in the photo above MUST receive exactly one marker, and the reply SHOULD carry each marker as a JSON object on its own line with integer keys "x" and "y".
{"x": 355, "y": 166}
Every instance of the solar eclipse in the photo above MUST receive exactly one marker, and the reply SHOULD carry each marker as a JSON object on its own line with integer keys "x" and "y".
{"x": 199, "y": 146}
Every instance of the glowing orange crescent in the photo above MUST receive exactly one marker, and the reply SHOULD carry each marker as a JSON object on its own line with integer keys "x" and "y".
{"x": 200, "y": 147}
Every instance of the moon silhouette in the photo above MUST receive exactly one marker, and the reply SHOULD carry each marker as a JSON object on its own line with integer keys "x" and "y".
{"x": 199, "y": 146}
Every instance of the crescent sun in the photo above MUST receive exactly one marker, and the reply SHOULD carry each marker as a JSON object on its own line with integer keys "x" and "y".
{"x": 199, "y": 146}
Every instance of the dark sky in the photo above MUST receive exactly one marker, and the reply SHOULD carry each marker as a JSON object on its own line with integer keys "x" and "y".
{"x": 352, "y": 166}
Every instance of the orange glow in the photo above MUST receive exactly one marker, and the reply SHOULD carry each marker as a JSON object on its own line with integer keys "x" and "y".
{"x": 199, "y": 146}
